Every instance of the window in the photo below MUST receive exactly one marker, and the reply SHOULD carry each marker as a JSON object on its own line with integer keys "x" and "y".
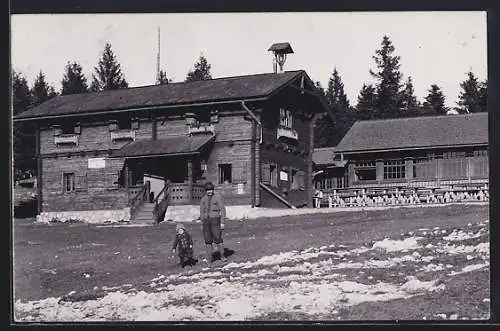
{"x": 69, "y": 182}
{"x": 269, "y": 174}
{"x": 286, "y": 118}
{"x": 124, "y": 124}
{"x": 481, "y": 153}
{"x": 454, "y": 165}
{"x": 203, "y": 118}
{"x": 224, "y": 173}
{"x": 424, "y": 168}
{"x": 366, "y": 170}
{"x": 479, "y": 164}
{"x": 394, "y": 169}
{"x": 67, "y": 128}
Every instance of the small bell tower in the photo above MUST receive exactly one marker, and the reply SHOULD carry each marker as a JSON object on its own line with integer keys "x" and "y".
{"x": 280, "y": 50}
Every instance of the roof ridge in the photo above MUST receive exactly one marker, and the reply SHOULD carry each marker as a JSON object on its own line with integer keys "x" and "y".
{"x": 174, "y": 83}
{"x": 420, "y": 117}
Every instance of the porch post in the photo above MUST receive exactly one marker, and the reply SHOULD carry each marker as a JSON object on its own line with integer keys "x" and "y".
{"x": 38, "y": 172}
{"x": 126, "y": 175}
{"x": 190, "y": 179}
{"x": 154, "y": 129}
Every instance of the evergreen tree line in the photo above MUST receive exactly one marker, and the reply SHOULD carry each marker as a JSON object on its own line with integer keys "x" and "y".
{"x": 389, "y": 98}
{"x": 107, "y": 75}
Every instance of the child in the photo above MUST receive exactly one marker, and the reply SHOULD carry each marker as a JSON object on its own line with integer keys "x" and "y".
{"x": 184, "y": 245}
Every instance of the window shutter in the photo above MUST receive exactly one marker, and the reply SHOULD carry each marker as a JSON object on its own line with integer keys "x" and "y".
{"x": 265, "y": 173}
{"x": 81, "y": 182}
{"x": 236, "y": 173}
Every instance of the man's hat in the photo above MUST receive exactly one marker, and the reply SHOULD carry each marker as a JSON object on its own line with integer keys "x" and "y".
{"x": 209, "y": 186}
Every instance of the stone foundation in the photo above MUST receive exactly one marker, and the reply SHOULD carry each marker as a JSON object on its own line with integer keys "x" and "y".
{"x": 86, "y": 216}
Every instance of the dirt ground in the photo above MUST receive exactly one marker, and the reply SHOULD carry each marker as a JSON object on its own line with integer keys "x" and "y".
{"x": 52, "y": 260}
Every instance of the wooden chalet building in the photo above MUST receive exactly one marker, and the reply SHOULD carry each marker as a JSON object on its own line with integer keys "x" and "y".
{"x": 113, "y": 154}
{"x": 420, "y": 156}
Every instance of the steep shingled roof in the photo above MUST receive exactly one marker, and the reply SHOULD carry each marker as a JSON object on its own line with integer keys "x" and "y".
{"x": 220, "y": 89}
{"x": 416, "y": 132}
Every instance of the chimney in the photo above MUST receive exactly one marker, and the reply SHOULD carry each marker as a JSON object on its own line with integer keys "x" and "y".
{"x": 280, "y": 50}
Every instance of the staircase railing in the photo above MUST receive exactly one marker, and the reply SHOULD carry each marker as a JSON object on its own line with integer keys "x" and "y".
{"x": 277, "y": 196}
{"x": 161, "y": 207}
{"x": 138, "y": 200}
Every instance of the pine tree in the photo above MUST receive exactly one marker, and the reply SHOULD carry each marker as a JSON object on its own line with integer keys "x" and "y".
{"x": 331, "y": 130}
{"x": 162, "y": 78}
{"x": 324, "y": 131}
{"x": 108, "y": 73}
{"x": 21, "y": 95}
{"x": 201, "y": 70}
{"x": 23, "y": 132}
{"x": 365, "y": 108}
{"x": 469, "y": 98}
{"x": 41, "y": 90}
{"x": 434, "y": 102}
{"x": 408, "y": 101}
{"x": 389, "y": 78}
{"x": 335, "y": 95}
{"x": 74, "y": 80}
{"x": 483, "y": 96}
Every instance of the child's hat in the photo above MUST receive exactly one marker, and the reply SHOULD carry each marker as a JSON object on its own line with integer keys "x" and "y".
{"x": 180, "y": 226}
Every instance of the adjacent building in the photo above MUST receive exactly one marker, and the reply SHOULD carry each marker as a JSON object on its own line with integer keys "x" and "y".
{"x": 443, "y": 153}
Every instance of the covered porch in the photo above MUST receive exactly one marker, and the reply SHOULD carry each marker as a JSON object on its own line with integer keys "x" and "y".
{"x": 172, "y": 168}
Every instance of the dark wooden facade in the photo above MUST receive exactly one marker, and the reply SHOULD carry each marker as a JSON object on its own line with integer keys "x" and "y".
{"x": 98, "y": 159}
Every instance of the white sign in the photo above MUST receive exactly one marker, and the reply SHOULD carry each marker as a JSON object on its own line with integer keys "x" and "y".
{"x": 241, "y": 188}
{"x": 284, "y": 175}
{"x": 97, "y": 163}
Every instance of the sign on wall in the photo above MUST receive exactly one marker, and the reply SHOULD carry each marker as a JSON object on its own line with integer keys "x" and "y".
{"x": 241, "y": 188}
{"x": 97, "y": 163}
{"x": 284, "y": 175}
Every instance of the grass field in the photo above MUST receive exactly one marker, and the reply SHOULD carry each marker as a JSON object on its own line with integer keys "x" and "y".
{"x": 408, "y": 263}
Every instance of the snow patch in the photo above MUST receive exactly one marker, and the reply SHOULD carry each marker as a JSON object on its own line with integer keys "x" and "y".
{"x": 397, "y": 245}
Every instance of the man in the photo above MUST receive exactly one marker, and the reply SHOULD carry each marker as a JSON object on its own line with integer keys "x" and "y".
{"x": 212, "y": 215}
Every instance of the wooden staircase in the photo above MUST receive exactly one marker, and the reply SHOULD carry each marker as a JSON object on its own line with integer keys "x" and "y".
{"x": 144, "y": 213}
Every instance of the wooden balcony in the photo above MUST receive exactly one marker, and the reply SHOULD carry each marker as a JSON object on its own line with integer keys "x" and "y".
{"x": 287, "y": 133}
{"x": 123, "y": 135}
{"x": 202, "y": 129}
{"x": 66, "y": 139}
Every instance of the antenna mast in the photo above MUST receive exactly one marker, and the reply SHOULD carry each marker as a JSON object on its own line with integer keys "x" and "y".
{"x": 158, "y": 60}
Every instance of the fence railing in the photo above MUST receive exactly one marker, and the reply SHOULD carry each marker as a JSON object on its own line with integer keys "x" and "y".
{"x": 139, "y": 198}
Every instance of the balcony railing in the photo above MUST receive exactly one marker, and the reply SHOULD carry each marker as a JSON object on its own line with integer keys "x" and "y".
{"x": 123, "y": 135}
{"x": 209, "y": 128}
{"x": 69, "y": 139}
{"x": 287, "y": 133}
{"x": 179, "y": 193}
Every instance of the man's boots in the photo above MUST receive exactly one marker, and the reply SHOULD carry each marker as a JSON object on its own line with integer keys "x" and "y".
{"x": 221, "y": 251}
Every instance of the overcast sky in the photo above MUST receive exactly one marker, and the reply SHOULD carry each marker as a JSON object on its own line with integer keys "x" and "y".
{"x": 435, "y": 47}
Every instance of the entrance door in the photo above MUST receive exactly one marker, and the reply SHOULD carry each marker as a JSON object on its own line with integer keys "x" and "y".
{"x": 157, "y": 183}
